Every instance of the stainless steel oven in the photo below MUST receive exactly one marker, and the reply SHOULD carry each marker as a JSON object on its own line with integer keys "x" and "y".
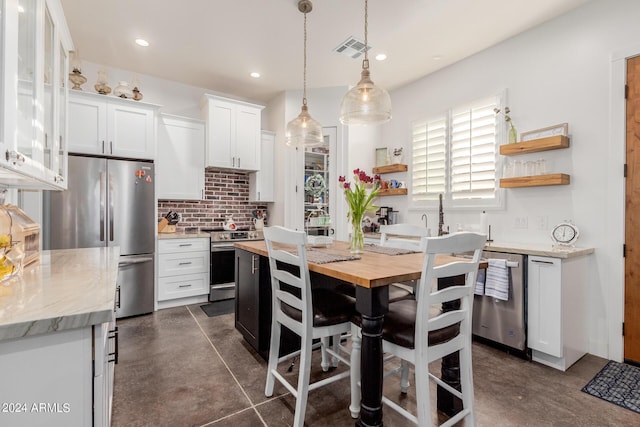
{"x": 222, "y": 285}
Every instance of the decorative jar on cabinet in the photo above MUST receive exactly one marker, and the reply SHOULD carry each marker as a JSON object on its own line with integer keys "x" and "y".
{"x": 233, "y": 133}
{"x": 36, "y": 44}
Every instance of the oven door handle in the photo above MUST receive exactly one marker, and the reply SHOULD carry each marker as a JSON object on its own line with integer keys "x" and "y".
{"x": 222, "y": 248}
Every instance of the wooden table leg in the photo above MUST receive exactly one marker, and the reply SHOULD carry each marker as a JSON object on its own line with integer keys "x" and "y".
{"x": 372, "y": 304}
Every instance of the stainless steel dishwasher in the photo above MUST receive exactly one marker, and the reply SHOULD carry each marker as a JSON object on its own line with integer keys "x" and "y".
{"x": 504, "y": 322}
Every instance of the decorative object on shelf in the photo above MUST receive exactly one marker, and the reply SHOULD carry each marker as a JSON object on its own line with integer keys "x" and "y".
{"x": 397, "y": 156}
{"x": 75, "y": 76}
{"x": 137, "y": 95}
{"x": 304, "y": 130}
{"x": 366, "y": 103}
{"x": 11, "y": 252}
{"x": 360, "y": 198}
{"x": 513, "y": 132}
{"x": 382, "y": 156}
{"x": 564, "y": 235}
{"x": 123, "y": 90}
{"x": 101, "y": 85}
{"x": 315, "y": 185}
{"x": 561, "y": 129}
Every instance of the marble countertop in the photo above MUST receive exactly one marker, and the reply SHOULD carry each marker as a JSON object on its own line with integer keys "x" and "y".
{"x": 540, "y": 249}
{"x": 163, "y": 236}
{"x": 65, "y": 289}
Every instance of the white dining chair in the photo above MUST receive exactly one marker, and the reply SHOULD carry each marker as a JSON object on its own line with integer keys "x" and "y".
{"x": 310, "y": 313}
{"x": 411, "y": 333}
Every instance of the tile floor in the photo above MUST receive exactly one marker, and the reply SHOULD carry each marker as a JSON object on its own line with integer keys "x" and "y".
{"x": 178, "y": 367}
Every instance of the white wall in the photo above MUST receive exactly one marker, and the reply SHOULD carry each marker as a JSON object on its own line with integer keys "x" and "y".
{"x": 558, "y": 72}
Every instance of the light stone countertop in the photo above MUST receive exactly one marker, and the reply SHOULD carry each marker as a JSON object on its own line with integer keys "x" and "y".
{"x": 163, "y": 236}
{"x": 540, "y": 249}
{"x": 66, "y": 289}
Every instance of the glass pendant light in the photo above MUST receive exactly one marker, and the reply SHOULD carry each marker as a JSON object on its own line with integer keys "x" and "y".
{"x": 304, "y": 130}
{"x": 366, "y": 103}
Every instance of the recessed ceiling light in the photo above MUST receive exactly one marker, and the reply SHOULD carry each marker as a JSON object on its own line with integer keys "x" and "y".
{"x": 255, "y": 75}
{"x": 437, "y": 57}
{"x": 381, "y": 57}
{"x": 142, "y": 42}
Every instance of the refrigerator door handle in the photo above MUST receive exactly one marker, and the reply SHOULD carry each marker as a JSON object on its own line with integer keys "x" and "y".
{"x": 102, "y": 205}
{"x": 111, "y": 231}
{"x": 134, "y": 260}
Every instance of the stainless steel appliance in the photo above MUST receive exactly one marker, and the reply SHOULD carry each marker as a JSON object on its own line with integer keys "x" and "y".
{"x": 222, "y": 260}
{"x": 109, "y": 202}
{"x": 504, "y": 322}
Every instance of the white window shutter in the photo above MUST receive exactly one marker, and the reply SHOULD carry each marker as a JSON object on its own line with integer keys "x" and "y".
{"x": 429, "y": 159}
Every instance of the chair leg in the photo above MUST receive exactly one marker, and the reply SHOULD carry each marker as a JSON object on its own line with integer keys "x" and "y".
{"x": 356, "y": 345}
{"x": 423, "y": 400}
{"x": 466, "y": 382}
{"x": 303, "y": 382}
{"x": 336, "y": 349}
{"x": 274, "y": 352}
{"x": 404, "y": 377}
{"x": 323, "y": 350}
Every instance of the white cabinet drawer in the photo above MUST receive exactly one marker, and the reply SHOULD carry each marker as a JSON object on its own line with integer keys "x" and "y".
{"x": 183, "y": 286}
{"x": 183, "y": 263}
{"x": 183, "y": 245}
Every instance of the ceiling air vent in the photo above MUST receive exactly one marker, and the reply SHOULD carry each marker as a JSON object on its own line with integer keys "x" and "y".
{"x": 351, "y": 47}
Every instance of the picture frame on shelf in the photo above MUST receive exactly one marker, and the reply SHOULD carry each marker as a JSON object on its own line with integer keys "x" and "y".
{"x": 382, "y": 155}
{"x": 560, "y": 129}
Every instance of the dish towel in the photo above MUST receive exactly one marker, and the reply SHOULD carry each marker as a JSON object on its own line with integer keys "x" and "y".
{"x": 479, "y": 290}
{"x": 497, "y": 282}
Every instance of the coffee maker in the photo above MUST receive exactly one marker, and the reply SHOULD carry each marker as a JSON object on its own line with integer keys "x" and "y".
{"x": 386, "y": 215}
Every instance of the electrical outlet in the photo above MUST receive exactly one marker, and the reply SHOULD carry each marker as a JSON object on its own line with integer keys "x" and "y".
{"x": 179, "y": 217}
{"x": 521, "y": 222}
{"x": 542, "y": 223}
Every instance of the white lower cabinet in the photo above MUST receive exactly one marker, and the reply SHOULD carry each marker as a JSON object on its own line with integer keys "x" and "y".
{"x": 261, "y": 183}
{"x": 183, "y": 270}
{"x": 556, "y": 310}
{"x": 60, "y": 378}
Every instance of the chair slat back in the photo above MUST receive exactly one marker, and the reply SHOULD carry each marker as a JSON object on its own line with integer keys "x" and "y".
{"x": 447, "y": 245}
{"x": 395, "y": 236}
{"x": 287, "y": 248}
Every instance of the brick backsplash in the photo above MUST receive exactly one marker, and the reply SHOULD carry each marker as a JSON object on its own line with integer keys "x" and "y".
{"x": 225, "y": 193}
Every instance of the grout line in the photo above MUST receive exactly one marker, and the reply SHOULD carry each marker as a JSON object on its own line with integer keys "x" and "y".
{"x": 252, "y": 405}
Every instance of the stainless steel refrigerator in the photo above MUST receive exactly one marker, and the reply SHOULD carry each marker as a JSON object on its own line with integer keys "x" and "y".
{"x": 109, "y": 202}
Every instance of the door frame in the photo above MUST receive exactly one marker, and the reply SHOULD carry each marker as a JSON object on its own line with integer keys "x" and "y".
{"x": 616, "y": 211}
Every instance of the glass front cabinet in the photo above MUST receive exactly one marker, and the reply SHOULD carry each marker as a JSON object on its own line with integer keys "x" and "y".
{"x": 319, "y": 177}
{"x": 35, "y": 68}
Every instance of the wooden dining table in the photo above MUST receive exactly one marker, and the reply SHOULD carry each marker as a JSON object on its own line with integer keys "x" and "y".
{"x": 372, "y": 273}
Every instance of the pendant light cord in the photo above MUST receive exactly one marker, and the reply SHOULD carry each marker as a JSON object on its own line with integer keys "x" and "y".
{"x": 365, "y": 62}
{"x": 304, "y": 85}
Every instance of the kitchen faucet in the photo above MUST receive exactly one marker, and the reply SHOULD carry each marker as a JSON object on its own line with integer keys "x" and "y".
{"x": 424, "y": 218}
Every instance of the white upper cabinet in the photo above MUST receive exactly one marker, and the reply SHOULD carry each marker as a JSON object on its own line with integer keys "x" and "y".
{"x": 180, "y": 159}
{"x": 35, "y": 43}
{"x": 261, "y": 183}
{"x": 111, "y": 126}
{"x": 233, "y": 133}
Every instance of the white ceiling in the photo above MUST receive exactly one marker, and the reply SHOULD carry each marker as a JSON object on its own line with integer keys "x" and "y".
{"x": 215, "y": 44}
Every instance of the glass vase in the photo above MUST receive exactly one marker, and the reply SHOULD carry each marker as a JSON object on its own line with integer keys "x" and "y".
{"x": 357, "y": 235}
{"x": 513, "y": 134}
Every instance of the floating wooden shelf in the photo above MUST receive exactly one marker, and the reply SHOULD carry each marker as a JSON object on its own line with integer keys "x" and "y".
{"x": 536, "y": 180}
{"x": 393, "y": 192}
{"x": 535, "y": 145}
{"x": 390, "y": 168}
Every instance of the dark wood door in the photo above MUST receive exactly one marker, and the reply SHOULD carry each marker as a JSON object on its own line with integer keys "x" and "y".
{"x": 632, "y": 215}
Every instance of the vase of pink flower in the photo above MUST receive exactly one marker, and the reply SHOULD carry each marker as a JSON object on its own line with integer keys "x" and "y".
{"x": 359, "y": 195}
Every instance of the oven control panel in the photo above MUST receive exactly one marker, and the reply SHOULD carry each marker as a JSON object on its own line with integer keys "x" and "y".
{"x": 237, "y": 235}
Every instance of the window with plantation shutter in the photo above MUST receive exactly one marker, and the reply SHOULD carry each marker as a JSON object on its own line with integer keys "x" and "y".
{"x": 429, "y": 158}
{"x": 454, "y": 154}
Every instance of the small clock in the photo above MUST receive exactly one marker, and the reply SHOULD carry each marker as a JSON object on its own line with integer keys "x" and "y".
{"x": 565, "y": 234}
